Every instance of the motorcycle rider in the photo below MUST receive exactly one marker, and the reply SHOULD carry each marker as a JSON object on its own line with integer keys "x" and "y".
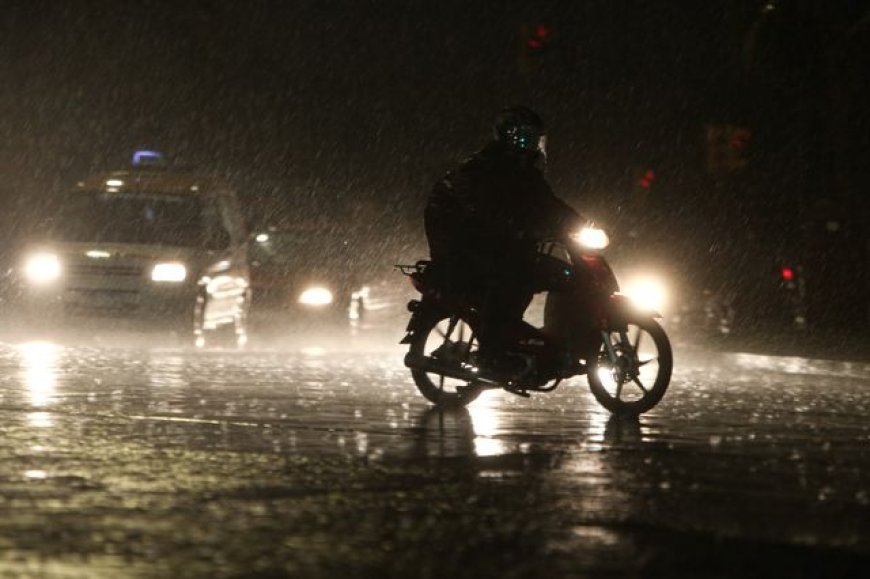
{"x": 483, "y": 222}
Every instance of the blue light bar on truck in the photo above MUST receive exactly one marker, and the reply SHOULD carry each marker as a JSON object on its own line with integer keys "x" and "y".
{"x": 147, "y": 158}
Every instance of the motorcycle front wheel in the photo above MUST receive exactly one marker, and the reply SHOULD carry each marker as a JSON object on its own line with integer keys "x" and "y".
{"x": 450, "y": 342}
{"x": 635, "y": 377}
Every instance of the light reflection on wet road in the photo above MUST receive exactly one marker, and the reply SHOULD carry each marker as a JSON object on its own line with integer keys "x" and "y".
{"x": 162, "y": 462}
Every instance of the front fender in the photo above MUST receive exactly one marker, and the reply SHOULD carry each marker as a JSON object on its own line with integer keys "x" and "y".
{"x": 600, "y": 271}
{"x": 621, "y": 310}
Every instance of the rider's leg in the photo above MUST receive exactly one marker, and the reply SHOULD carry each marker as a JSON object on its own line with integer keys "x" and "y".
{"x": 505, "y": 301}
{"x": 568, "y": 321}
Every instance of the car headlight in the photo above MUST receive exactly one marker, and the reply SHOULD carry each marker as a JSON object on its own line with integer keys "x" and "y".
{"x": 592, "y": 237}
{"x": 316, "y": 296}
{"x": 646, "y": 293}
{"x": 169, "y": 272}
{"x": 42, "y": 268}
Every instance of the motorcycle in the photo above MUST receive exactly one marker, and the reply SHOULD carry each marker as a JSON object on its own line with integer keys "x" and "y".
{"x": 589, "y": 329}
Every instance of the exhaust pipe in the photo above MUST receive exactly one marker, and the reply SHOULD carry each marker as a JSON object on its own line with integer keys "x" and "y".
{"x": 427, "y": 364}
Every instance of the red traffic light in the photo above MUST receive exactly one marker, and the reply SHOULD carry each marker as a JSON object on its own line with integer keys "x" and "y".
{"x": 539, "y": 36}
{"x": 739, "y": 139}
{"x": 647, "y": 179}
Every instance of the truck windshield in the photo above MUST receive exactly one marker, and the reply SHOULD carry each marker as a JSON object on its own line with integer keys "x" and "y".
{"x": 126, "y": 217}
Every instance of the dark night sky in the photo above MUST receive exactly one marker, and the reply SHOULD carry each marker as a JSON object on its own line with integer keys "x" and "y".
{"x": 326, "y": 103}
{"x": 349, "y": 98}
{"x": 339, "y": 101}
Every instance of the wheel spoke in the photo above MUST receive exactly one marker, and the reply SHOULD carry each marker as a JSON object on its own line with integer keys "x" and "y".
{"x": 441, "y": 382}
{"x": 637, "y": 341}
{"x": 619, "y": 384}
{"x": 645, "y": 362}
{"x": 452, "y": 325}
{"x": 623, "y": 340}
{"x": 640, "y": 385}
{"x": 471, "y": 340}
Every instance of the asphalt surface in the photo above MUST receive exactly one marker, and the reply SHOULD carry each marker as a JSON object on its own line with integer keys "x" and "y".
{"x": 321, "y": 460}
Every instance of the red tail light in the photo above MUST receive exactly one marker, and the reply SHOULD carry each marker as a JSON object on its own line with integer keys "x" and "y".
{"x": 787, "y": 274}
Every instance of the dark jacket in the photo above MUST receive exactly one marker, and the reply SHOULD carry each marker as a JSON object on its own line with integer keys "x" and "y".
{"x": 493, "y": 210}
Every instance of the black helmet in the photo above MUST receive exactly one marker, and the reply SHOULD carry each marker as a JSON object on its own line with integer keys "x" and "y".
{"x": 521, "y": 129}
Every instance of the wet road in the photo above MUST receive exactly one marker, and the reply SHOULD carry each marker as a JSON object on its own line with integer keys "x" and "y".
{"x": 164, "y": 462}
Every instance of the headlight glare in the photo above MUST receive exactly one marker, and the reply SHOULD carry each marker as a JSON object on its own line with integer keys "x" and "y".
{"x": 42, "y": 268}
{"x": 169, "y": 272}
{"x": 647, "y": 294}
{"x": 316, "y": 296}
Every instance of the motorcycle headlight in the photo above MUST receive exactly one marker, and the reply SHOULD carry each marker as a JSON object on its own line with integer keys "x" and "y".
{"x": 169, "y": 272}
{"x": 316, "y": 296}
{"x": 592, "y": 237}
{"x": 42, "y": 268}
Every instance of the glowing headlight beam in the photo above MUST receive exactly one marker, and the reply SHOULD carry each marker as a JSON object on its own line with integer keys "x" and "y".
{"x": 592, "y": 238}
{"x": 169, "y": 272}
{"x": 42, "y": 268}
{"x": 648, "y": 294}
{"x": 316, "y": 296}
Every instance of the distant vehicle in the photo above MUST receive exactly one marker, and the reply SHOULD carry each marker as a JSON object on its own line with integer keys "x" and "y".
{"x": 305, "y": 274}
{"x": 147, "y": 244}
{"x": 767, "y": 296}
{"x": 774, "y": 298}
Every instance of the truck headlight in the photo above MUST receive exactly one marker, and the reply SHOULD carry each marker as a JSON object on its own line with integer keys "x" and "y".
{"x": 169, "y": 272}
{"x": 42, "y": 268}
{"x": 316, "y": 296}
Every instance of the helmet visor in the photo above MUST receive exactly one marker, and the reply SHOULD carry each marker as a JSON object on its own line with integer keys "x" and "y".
{"x": 526, "y": 138}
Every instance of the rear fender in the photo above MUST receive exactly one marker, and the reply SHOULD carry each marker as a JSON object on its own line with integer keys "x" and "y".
{"x": 421, "y": 313}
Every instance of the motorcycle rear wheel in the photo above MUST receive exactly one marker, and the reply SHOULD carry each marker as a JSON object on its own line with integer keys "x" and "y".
{"x": 452, "y": 342}
{"x": 642, "y": 372}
